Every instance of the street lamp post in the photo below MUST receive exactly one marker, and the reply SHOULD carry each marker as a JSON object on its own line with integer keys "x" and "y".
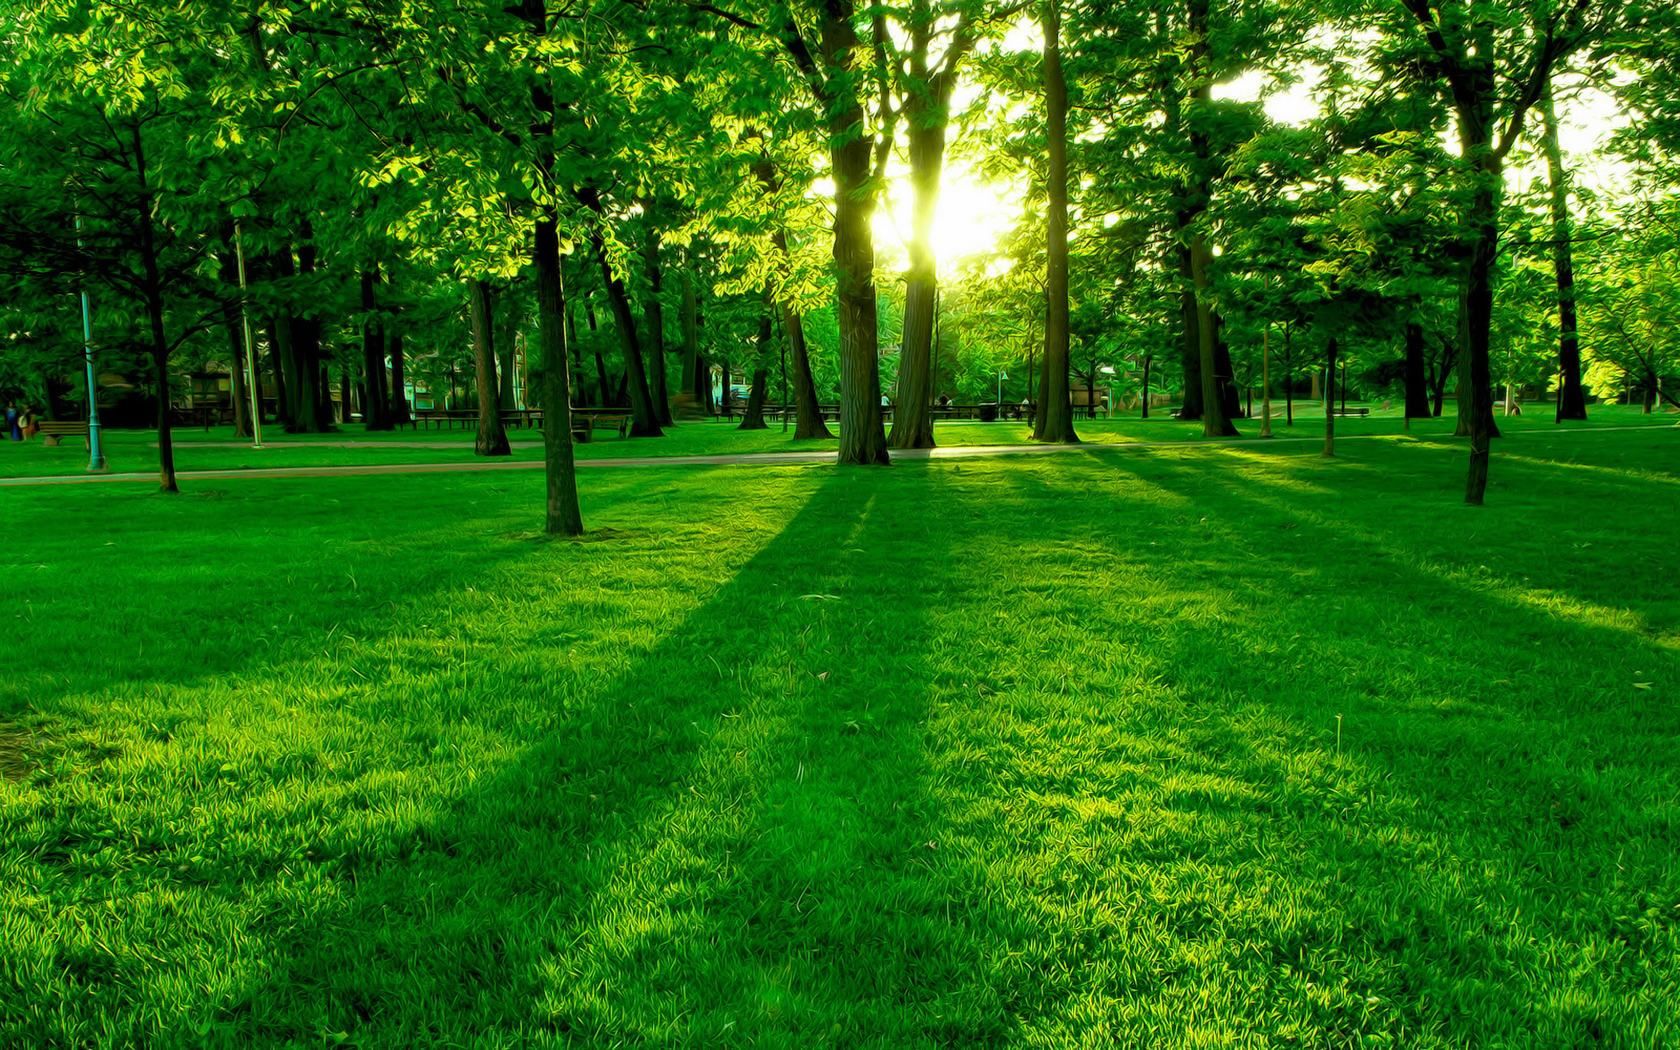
{"x": 250, "y": 344}
{"x": 96, "y": 447}
{"x": 1002, "y": 375}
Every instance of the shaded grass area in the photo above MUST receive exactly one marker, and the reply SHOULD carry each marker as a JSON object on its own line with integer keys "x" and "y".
{"x": 196, "y": 449}
{"x": 1176, "y": 746}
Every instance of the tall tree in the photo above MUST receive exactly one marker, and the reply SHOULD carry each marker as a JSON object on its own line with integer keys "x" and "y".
{"x": 1054, "y": 420}
{"x": 1478, "y": 49}
{"x": 929, "y": 82}
{"x": 1571, "y": 397}
{"x": 492, "y": 438}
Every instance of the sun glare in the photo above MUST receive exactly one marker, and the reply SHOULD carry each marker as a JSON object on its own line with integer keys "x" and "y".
{"x": 973, "y": 216}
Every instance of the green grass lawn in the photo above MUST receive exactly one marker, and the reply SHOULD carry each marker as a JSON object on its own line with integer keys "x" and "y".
{"x": 1168, "y": 746}
{"x": 134, "y": 451}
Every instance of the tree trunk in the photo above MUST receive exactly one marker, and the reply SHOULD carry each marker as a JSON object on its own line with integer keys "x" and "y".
{"x": 1417, "y": 386}
{"x": 1572, "y": 399}
{"x": 1225, "y": 373}
{"x": 1215, "y": 422}
{"x": 809, "y": 423}
{"x": 653, "y": 313}
{"x": 1190, "y": 405}
{"x": 398, "y": 392}
{"x": 377, "y": 402}
{"x": 1330, "y": 401}
{"x": 863, "y": 438}
{"x": 691, "y": 333}
{"x": 1288, "y": 374}
{"x": 563, "y": 514}
{"x": 153, "y": 288}
{"x": 753, "y": 417}
{"x": 306, "y": 390}
{"x": 1054, "y": 419}
{"x": 507, "y": 360}
{"x": 492, "y": 438}
{"x": 1147, "y": 359}
{"x": 602, "y": 382}
{"x": 645, "y": 418}
{"x": 927, "y": 112}
{"x": 1475, "y": 124}
{"x": 279, "y": 344}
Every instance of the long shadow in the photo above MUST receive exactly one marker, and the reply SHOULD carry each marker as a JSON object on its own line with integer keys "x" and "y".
{"x": 1461, "y": 722}
{"x": 152, "y": 612}
{"x": 225, "y": 775}
{"x": 737, "y": 838}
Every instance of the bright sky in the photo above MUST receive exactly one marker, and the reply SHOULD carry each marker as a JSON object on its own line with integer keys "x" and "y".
{"x": 973, "y": 213}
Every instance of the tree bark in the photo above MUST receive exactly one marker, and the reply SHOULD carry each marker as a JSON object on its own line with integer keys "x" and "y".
{"x": 1144, "y": 409}
{"x": 753, "y": 417}
{"x": 690, "y": 336}
{"x": 279, "y": 340}
{"x": 1572, "y": 398}
{"x": 377, "y": 402}
{"x": 153, "y": 289}
{"x": 563, "y": 514}
{"x": 1215, "y": 422}
{"x": 645, "y": 418}
{"x": 863, "y": 438}
{"x": 507, "y": 329}
{"x": 602, "y": 383}
{"x": 653, "y": 313}
{"x": 808, "y": 408}
{"x": 927, "y": 112}
{"x": 1417, "y": 385}
{"x": 399, "y": 381}
{"x": 492, "y": 438}
{"x": 1054, "y": 418}
{"x": 1288, "y": 374}
{"x": 1330, "y": 352}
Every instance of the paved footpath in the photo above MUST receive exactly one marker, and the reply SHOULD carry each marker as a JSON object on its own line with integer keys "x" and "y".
{"x": 759, "y": 459}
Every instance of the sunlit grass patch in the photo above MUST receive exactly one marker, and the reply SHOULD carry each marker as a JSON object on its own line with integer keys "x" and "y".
{"x": 1168, "y": 745}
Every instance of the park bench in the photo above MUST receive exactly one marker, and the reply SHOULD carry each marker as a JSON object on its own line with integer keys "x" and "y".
{"x": 52, "y": 431}
{"x": 1350, "y": 411}
{"x": 586, "y": 421}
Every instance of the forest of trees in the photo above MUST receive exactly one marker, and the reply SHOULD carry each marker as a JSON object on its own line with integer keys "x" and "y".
{"x": 629, "y": 193}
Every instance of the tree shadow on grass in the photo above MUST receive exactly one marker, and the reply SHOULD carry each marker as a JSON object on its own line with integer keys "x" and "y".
{"x": 232, "y": 777}
{"x": 734, "y": 840}
{"x": 1448, "y": 726}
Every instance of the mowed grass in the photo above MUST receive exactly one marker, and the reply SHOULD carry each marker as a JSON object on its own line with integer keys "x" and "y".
{"x": 135, "y": 451}
{"x": 1165, "y": 746}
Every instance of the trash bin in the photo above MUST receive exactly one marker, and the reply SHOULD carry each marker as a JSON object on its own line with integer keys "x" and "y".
{"x": 988, "y": 412}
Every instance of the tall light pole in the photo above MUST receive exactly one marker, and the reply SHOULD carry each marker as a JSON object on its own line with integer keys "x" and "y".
{"x": 1002, "y": 375}
{"x": 250, "y": 345}
{"x": 96, "y": 447}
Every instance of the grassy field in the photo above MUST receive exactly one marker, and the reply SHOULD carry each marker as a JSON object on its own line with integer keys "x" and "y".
{"x": 1162, "y": 746}
{"x": 216, "y": 449}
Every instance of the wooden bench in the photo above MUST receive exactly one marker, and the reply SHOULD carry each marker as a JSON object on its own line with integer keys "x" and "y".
{"x": 584, "y": 423}
{"x": 1350, "y": 411}
{"x": 53, "y": 431}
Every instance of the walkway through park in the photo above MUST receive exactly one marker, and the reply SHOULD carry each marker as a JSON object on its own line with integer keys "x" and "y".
{"x": 760, "y": 459}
